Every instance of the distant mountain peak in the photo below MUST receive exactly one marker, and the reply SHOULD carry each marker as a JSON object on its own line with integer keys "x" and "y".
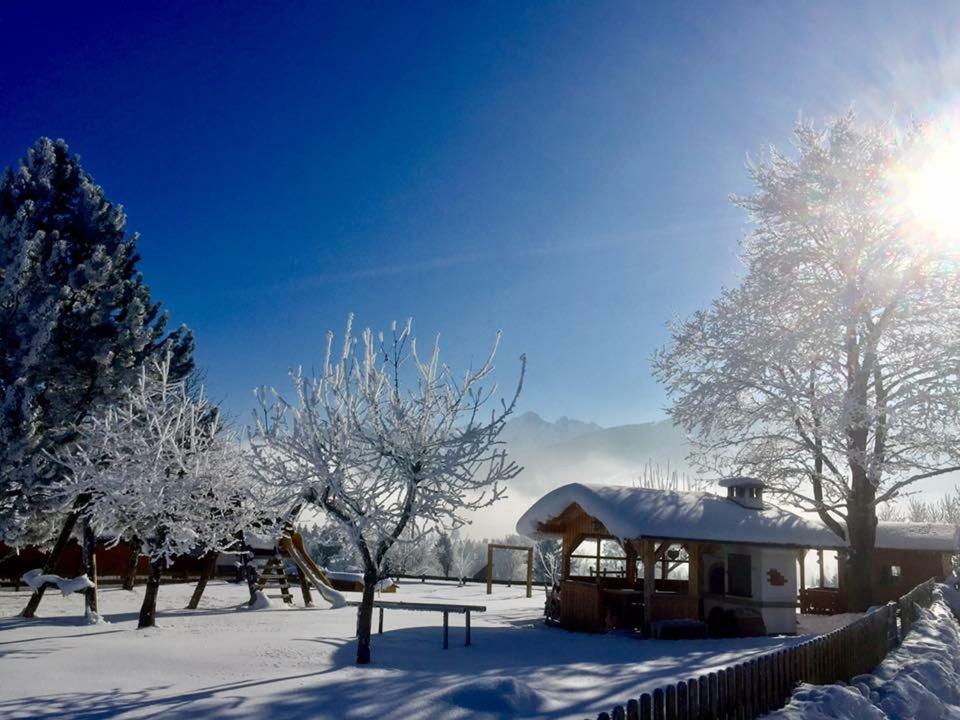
{"x": 530, "y": 430}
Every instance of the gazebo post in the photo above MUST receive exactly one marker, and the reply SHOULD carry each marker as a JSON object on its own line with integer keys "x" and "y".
{"x": 693, "y": 572}
{"x": 630, "y": 549}
{"x": 649, "y": 560}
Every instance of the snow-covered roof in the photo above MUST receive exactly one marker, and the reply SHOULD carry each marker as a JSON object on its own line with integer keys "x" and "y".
{"x": 631, "y": 513}
{"x": 940, "y": 537}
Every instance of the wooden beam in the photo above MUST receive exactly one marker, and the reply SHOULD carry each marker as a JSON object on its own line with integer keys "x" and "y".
{"x": 631, "y": 552}
{"x": 649, "y": 560}
{"x": 695, "y": 553}
{"x": 801, "y": 557}
{"x": 489, "y": 569}
{"x": 530, "y": 572}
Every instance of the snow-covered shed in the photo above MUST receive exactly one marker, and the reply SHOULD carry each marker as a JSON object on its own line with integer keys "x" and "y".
{"x": 905, "y": 554}
{"x": 635, "y": 556}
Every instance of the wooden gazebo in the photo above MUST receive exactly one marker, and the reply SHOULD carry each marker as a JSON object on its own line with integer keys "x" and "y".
{"x": 635, "y": 557}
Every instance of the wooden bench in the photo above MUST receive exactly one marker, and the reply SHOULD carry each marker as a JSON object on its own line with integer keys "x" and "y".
{"x": 427, "y": 607}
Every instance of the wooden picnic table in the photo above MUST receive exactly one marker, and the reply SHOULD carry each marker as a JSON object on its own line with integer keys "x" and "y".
{"x": 445, "y": 608}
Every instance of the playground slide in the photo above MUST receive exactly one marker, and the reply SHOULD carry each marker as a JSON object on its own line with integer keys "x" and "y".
{"x": 298, "y": 554}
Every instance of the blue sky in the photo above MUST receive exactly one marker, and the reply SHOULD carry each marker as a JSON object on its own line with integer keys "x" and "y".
{"x": 559, "y": 171}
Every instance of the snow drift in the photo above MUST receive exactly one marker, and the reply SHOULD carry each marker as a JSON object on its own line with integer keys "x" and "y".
{"x": 920, "y": 679}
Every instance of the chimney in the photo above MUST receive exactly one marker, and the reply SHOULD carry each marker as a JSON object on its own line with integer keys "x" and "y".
{"x": 744, "y": 491}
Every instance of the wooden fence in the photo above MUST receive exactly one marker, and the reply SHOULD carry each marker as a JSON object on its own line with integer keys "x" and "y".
{"x": 763, "y": 684}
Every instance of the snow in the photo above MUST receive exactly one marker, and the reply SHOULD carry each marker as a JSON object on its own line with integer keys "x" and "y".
{"x": 261, "y": 601}
{"x": 68, "y": 586}
{"x": 632, "y": 512}
{"x": 919, "y": 679}
{"x": 918, "y": 536}
{"x": 223, "y": 661}
{"x": 343, "y": 576}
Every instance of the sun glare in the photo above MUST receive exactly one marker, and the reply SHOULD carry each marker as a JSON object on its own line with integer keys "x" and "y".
{"x": 927, "y": 186}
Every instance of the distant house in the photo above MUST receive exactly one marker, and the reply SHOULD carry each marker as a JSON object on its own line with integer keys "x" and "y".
{"x": 636, "y": 557}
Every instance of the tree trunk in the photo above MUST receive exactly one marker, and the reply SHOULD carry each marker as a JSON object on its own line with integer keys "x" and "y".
{"x": 89, "y": 547}
{"x": 148, "y": 610}
{"x": 209, "y": 566}
{"x": 861, "y": 531}
{"x": 130, "y": 574}
{"x": 50, "y": 566}
{"x": 365, "y": 617}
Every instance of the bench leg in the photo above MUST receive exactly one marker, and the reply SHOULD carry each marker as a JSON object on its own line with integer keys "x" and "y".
{"x": 380, "y": 628}
{"x": 446, "y": 628}
{"x": 468, "y": 627}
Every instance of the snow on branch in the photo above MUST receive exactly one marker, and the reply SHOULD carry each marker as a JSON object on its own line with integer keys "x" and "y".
{"x": 385, "y": 440}
{"x": 161, "y": 466}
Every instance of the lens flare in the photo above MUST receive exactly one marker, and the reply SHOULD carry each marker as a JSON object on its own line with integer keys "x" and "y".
{"x": 926, "y": 185}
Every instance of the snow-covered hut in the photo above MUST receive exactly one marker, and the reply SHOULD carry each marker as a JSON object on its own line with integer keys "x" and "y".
{"x": 905, "y": 554}
{"x": 637, "y": 556}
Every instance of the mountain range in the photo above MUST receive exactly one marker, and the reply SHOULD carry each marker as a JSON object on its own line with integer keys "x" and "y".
{"x": 568, "y": 450}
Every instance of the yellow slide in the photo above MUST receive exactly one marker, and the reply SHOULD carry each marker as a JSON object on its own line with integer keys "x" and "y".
{"x": 293, "y": 546}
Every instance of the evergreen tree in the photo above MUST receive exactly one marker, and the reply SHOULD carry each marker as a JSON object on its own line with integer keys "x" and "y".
{"x": 76, "y": 325}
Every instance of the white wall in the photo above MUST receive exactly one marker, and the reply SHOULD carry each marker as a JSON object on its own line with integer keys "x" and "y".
{"x": 763, "y": 560}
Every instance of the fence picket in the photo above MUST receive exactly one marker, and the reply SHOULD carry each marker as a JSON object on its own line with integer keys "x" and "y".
{"x": 683, "y": 702}
{"x": 646, "y": 707}
{"x": 658, "y": 704}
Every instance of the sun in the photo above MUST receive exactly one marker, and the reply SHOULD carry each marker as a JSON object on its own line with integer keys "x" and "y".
{"x": 927, "y": 184}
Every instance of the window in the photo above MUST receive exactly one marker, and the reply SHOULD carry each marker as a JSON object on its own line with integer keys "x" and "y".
{"x": 739, "y": 572}
{"x": 891, "y": 574}
{"x": 594, "y": 557}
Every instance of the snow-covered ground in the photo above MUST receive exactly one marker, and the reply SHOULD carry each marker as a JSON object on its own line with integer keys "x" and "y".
{"x": 221, "y": 662}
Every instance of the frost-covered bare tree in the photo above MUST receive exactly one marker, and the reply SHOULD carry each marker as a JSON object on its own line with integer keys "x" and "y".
{"x": 160, "y": 466}
{"x": 468, "y": 556}
{"x": 548, "y": 560}
{"x": 831, "y": 371}
{"x": 662, "y": 477}
{"x": 381, "y": 438}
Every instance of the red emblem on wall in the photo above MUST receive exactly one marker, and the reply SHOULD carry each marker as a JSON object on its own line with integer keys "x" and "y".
{"x": 775, "y": 577}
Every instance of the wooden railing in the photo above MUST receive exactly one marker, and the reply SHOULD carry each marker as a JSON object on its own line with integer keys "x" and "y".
{"x": 763, "y": 684}
{"x": 821, "y": 601}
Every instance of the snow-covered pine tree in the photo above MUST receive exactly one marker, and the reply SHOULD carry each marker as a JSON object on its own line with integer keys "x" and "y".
{"x": 76, "y": 324}
{"x": 832, "y": 371}
{"x": 160, "y": 466}
{"x": 383, "y": 439}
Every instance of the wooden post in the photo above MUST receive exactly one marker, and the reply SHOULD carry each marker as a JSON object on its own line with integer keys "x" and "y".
{"x": 468, "y": 627}
{"x": 305, "y": 588}
{"x": 380, "y": 624}
{"x": 566, "y": 550}
{"x": 599, "y": 545}
{"x": 823, "y": 581}
{"x": 801, "y": 556}
{"x": 489, "y": 569}
{"x": 630, "y": 550}
{"x": 694, "y": 552}
{"x": 648, "y": 583}
{"x": 530, "y": 572}
{"x": 446, "y": 628}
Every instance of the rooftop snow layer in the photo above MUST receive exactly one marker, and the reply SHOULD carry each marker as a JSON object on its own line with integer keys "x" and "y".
{"x": 631, "y": 512}
{"x": 918, "y": 536}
